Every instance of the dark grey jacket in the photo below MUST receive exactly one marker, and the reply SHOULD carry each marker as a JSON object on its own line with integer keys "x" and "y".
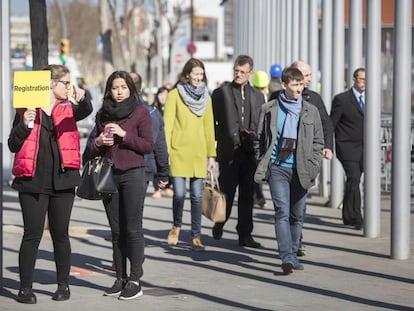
{"x": 316, "y": 100}
{"x": 309, "y": 145}
{"x": 227, "y": 103}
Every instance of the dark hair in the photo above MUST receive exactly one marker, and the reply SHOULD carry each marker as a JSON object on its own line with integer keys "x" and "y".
{"x": 357, "y": 71}
{"x": 156, "y": 102}
{"x": 291, "y": 74}
{"x": 188, "y": 67}
{"x": 57, "y": 71}
{"x": 120, "y": 75}
{"x": 243, "y": 60}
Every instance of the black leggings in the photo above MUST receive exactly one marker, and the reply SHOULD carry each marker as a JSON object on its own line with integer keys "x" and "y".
{"x": 124, "y": 211}
{"x": 34, "y": 207}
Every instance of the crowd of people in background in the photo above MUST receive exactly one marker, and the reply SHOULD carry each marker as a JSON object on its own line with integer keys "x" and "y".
{"x": 272, "y": 130}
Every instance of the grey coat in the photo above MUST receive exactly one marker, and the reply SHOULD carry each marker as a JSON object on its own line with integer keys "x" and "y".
{"x": 309, "y": 145}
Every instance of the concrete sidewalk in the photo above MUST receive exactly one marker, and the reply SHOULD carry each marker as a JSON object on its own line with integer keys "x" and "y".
{"x": 343, "y": 269}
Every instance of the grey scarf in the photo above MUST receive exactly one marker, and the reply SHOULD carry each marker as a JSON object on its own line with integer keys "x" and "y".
{"x": 194, "y": 98}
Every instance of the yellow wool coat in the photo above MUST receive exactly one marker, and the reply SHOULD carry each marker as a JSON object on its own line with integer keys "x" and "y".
{"x": 190, "y": 139}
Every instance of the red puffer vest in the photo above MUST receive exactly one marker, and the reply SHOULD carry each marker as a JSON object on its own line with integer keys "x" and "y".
{"x": 67, "y": 138}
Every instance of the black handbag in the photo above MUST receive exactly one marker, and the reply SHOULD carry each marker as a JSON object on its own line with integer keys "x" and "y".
{"x": 97, "y": 180}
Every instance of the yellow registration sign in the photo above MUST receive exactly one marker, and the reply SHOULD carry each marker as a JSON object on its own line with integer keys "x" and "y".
{"x": 31, "y": 89}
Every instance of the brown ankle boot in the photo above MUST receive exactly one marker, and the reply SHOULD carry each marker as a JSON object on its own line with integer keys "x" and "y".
{"x": 197, "y": 245}
{"x": 173, "y": 235}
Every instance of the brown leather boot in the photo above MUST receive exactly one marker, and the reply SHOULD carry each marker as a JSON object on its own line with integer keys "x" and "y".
{"x": 173, "y": 235}
{"x": 197, "y": 245}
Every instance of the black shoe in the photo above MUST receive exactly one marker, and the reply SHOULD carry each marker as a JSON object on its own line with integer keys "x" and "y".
{"x": 26, "y": 295}
{"x": 62, "y": 293}
{"x": 217, "y": 231}
{"x": 288, "y": 266}
{"x": 116, "y": 289}
{"x": 358, "y": 226}
{"x": 249, "y": 242}
{"x": 131, "y": 291}
{"x": 301, "y": 251}
{"x": 259, "y": 203}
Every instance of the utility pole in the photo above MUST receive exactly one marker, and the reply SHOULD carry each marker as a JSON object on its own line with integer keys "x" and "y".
{"x": 106, "y": 39}
{"x": 4, "y": 90}
{"x": 64, "y": 41}
{"x": 62, "y": 17}
{"x": 192, "y": 21}
{"x": 191, "y": 47}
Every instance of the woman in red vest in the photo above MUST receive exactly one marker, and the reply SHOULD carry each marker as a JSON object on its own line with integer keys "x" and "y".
{"x": 46, "y": 169}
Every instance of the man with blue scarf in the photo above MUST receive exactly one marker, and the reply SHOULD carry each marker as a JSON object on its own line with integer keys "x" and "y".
{"x": 290, "y": 153}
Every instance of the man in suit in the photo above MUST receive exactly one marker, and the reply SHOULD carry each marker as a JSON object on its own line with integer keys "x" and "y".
{"x": 236, "y": 108}
{"x": 347, "y": 117}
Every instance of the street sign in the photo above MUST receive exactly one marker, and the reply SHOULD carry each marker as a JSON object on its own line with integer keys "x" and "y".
{"x": 191, "y": 48}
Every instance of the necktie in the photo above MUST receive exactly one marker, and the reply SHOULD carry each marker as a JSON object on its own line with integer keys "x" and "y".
{"x": 361, "y": 103}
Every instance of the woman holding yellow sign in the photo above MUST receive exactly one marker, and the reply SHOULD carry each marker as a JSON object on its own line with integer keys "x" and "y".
{"x": 46, "y": 169}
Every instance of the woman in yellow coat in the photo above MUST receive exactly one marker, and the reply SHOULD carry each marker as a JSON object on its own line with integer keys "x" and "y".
{"x": 189, "y": 131}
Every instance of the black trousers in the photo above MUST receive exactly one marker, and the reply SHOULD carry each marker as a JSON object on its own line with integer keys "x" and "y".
{"x": 124, "y": 211}
{"x": 239, "y": 173}
{"x": 351, "y": 210}
{"x": 34, "y": 207}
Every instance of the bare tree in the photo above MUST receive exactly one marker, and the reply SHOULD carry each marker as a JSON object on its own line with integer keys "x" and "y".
{"x": 180, "y": 13}
{"x": 106, "y": 34}
{"x": 130, "y": 39}
{"x": 39, "y": 33}
{"x": 83, "y": 31}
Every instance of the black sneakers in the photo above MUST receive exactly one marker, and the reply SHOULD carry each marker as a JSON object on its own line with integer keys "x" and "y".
{"x": 116, "y": 289}
{"x": 62, "y": 293}
{"x": 26, "y": 295}
{"x": 131, "y": 290}
{"x": 301, "y": 251}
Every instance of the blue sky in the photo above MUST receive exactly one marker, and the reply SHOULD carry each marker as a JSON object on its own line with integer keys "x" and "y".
{"x": 19, "y": 7}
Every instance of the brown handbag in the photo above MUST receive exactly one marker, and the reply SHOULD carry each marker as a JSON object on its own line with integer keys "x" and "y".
{"x": 214, "y": 201}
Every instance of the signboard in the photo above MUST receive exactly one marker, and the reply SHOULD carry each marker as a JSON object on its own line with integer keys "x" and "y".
{"x": 191, "y": 48}
{"x": 31, "y": 89}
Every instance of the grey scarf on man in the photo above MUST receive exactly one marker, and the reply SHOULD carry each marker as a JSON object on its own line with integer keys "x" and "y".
{"x": 288, "y": 139}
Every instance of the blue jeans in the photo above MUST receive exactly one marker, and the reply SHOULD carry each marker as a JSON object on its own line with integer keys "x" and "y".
{"x": 289, "y": 200}
{"x": 196, "y": 187}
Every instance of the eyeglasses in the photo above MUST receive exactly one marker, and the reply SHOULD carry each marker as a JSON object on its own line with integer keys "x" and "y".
{"x": 236, "y": 71}
{"x": 65, "y": 83}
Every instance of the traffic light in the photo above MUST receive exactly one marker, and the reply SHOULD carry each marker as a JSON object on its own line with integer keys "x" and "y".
{"x": 64, "y": 49}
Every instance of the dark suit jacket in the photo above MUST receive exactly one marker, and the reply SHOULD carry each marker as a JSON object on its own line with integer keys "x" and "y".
{"x": 348, "y": 123}
{"x": 227, "y": 103}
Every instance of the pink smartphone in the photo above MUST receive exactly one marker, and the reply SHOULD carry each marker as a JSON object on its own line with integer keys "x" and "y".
{"x": 107, "y": 131}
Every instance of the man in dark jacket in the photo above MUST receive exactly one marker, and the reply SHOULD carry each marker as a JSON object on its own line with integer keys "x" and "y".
{"x": 157, "y": 161}
{"x": 236, "y": 108}
{"x": 348, "y": 121}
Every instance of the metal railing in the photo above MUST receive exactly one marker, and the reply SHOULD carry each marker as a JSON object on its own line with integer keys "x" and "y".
{"x": 386, "y": 151}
